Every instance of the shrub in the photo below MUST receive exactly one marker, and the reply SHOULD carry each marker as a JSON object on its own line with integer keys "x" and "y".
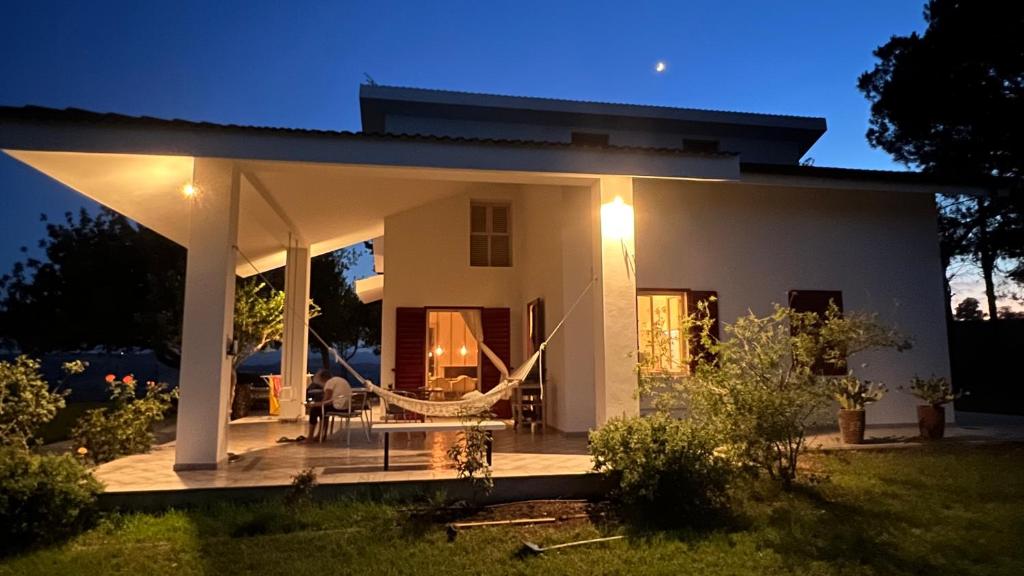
{"x": 301, "y": 489}
{"x": 761, "y": 387}
{"x": 665, "y": 468}
{"x": 125, "y": 427}
{"x": 26, "y": 401}
{"x": 43, "y": 498}
{"x": 469, "y": 456}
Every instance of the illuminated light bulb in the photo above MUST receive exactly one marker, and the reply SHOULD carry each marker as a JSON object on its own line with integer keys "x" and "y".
{"x": 617, "y": 219}
{"x": 463, "y": 351}
{"x": 188, "y": 190}
{"x": 438, "y": 351}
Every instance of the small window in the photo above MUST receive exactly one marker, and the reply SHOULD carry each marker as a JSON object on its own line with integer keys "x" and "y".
{"x": 490, "y": 235}
{"x": 701, "y": 146}
{"x": 818, "y": 301}
{"x": 666, "y": 344}
{"x": 589, "y": 139}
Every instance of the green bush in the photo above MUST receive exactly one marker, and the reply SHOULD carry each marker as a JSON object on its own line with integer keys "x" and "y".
{"x": 762, "y": 386}
{"x": 26, "y": 401}
{"x": 125, "y": 427}
{"x": 43, "y": 498}
{"x": 666, "y": 469}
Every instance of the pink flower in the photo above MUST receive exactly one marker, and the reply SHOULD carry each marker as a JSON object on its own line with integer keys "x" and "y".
{"x": 110, "y": 378}
{"x": 128, "y": 379}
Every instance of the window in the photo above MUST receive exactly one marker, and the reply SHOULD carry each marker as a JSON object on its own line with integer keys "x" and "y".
{"x": 589, "y": 139}
{"x": 664, "y": 345}
{"x": 490, "y": 234}
{"x": 660, "y": 323}
{"x": 698, "y": 145}
{"x": 818, "y": 301}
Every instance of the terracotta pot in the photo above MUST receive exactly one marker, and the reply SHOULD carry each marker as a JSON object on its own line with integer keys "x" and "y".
{"x": 931, "y": 421}
{"x": 851, "y": 426}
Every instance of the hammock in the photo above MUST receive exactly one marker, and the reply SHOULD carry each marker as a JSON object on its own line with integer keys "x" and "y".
{"x": 472, "y": 403}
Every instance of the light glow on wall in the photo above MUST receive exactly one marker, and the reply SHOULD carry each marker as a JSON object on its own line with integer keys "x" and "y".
{"x": 617, "y": 219}
{"x": 189, "y": 190}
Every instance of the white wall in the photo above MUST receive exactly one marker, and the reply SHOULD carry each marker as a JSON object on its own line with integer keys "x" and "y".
{"x": 754, "y": 244}
{"x": 428, "y": 265}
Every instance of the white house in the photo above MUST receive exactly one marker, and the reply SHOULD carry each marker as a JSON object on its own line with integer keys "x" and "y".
{"x": 507, "y": 208}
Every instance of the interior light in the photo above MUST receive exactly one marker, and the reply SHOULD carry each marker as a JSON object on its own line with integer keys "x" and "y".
{"x": 188, "y": 190}
{"x": 438, "y": 351}
{"x": 463, "y": 351}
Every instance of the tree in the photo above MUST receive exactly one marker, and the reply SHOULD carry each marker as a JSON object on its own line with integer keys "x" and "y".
{"x": 104, "y": 282}
{"x": 107, "y": 282}
{"x": 951, "y": 102}
{"x": 969, "y": 309}
{"x": 344, "y": 322}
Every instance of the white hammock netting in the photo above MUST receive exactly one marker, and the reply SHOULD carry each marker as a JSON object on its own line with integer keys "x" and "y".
{"x": 472, "y": 403}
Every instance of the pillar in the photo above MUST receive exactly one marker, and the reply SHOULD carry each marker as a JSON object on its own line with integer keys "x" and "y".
{"x": 295, "y": 343}
{"x": 615, "y": 331}
{"x": 207, "y": 327}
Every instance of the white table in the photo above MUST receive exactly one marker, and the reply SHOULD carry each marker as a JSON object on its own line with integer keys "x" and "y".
{"x": 388, "y": 427}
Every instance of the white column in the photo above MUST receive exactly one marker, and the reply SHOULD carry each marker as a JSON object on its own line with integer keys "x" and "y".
{"x": 615, "y": 332}
{"x": 207, "y": 328}
{"x": 295, "y": 344}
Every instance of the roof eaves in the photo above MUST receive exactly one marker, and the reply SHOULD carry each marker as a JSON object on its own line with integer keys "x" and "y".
{"x": 79, "y": 116}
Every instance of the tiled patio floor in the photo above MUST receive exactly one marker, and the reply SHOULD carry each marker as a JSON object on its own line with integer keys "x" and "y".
{"x": 414, "y": 456}
{"x": 418, "y": 456}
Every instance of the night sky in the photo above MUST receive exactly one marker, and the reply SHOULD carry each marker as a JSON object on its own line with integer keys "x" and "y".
{"x": 299, "y": 64}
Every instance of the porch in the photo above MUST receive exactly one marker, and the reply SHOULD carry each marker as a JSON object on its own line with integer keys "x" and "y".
{"x": 262, "y": 461}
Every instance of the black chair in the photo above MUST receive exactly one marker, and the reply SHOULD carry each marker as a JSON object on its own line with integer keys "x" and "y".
{"x": 358, "y": 407}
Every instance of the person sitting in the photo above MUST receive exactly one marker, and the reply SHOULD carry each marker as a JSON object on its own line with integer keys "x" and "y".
{"x": 336, "y": 396}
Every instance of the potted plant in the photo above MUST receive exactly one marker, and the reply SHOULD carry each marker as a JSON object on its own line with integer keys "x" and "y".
{"x": 935, "y": 392}
{"x": 854, "y": 395}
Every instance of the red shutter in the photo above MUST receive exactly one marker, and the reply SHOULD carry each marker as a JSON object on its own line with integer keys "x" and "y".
{"x": 497, "y": 324}
{"x": 410, "y": 348}
{"x": 697, "y": 350}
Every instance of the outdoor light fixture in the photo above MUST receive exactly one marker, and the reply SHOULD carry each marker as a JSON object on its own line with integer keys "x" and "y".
{"x": 188, "y": 190}
{"x": 617, "y": 219}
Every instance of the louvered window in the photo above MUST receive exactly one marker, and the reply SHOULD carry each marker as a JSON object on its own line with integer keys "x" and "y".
{"x": 490, "y": 235}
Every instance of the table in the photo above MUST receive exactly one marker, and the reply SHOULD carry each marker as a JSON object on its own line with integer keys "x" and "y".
{"x": 388, "y": 427}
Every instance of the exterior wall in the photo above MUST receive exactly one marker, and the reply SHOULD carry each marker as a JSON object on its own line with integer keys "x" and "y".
{"x": 428, "y": 265}
{"x": 754, "y": 244}
{"x": 751, "y": 148}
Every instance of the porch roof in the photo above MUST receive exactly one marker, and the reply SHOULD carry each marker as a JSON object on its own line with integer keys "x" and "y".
{"x": 331, "y": 188}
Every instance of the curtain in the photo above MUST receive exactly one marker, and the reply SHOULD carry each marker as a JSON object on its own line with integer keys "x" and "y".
{"x": 474, "y": 322}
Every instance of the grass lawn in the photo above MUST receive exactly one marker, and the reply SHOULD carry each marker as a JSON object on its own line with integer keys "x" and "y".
{"x": 943, "y": 509}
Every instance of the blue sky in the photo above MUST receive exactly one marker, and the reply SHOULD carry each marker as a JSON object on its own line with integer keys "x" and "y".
{"x": 299, "y": 64}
